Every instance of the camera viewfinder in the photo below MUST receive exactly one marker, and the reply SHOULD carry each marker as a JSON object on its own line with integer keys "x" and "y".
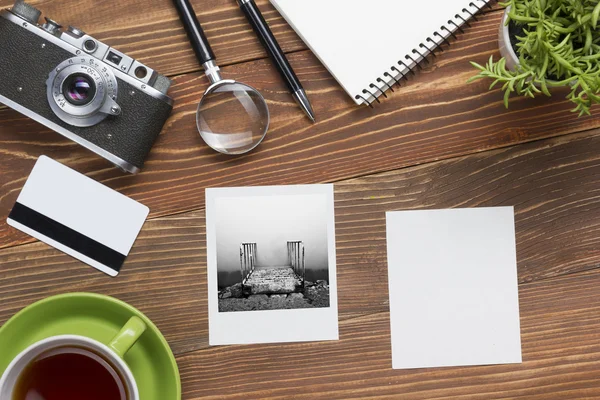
{"x": 114, "y": 58}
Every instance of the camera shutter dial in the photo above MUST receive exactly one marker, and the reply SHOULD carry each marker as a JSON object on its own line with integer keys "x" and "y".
{"x": 82, "y": 91}
{"x": 27, "y": 12}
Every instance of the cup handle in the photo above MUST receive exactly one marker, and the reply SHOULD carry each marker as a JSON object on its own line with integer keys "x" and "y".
{"x": 128, "y": 335}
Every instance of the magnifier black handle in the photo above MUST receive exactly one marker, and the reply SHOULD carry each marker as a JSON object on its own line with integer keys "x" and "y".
{"x": 197, "y": 37}
{"x": 268, "y": 40}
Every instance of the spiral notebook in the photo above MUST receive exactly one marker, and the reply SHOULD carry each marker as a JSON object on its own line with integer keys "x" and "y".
{"x": 370, "y": 45}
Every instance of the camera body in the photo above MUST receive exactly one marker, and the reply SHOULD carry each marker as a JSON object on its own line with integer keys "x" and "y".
{"x": 80, "y": 87}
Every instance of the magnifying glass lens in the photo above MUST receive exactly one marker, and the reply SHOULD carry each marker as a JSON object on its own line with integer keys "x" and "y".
{"x": 232, "y": 118}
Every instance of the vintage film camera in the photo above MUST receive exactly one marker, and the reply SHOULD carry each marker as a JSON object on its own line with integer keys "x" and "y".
{"x": 80, "y": 87}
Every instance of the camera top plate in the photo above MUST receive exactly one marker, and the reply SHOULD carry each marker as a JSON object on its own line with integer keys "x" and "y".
{"x": 69, "y": 47}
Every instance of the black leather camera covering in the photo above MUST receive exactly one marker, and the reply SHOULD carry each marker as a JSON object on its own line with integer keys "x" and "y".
{"x": 26, "y": 64}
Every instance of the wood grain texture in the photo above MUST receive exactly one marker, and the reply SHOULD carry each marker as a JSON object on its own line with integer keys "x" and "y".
{"x": 434, "y": 117}
{"x": 151, "y": 32}
{"x": 560, "y": 325}
{"x": 461, "y": 131}
{"x": 552, "y": 184}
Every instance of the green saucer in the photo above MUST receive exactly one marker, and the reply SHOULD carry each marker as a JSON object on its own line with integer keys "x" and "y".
{"x": 97, "y": 317}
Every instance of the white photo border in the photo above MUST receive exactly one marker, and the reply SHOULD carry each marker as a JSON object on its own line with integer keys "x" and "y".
{"x": 270, "y": 326}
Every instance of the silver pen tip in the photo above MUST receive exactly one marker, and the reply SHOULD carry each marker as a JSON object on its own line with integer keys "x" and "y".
{"x": 302, "y": 100}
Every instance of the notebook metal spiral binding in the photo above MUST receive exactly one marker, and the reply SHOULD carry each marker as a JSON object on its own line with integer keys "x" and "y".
{"x": 420, "y": 55}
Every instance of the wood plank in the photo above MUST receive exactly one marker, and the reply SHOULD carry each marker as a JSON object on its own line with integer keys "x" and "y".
{"x": 553, "y": 185}
{"x": 152, "y": 33}
{"x": 434, "y": 117}
{"x": 560, "y": 325}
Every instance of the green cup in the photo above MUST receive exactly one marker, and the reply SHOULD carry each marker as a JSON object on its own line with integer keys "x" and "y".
{"x": 110, "y": 354}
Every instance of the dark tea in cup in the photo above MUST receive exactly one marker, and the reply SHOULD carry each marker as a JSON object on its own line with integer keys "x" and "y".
{"x": 70, "y": 373}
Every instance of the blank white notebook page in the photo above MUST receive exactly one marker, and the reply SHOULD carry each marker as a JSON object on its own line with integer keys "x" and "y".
{"x": 358, "y": 41}
{"x": 453, "y": 287}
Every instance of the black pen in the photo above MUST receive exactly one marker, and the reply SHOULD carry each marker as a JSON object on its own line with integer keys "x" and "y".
{"x": 277, "y": 55}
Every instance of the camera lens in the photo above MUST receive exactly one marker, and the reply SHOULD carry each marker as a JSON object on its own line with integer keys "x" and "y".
{"x": 82, "y": 91}
{"x": 79, "y": 89}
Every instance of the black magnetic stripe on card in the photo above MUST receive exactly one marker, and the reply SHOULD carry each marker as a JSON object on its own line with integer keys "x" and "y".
{"x": 67, "y": 236}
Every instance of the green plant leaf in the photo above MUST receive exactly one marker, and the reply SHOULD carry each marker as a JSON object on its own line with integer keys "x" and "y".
{"x": 506, "y": 96}
{"x": 480, "y": 67}
{"x": 595, "y": 15}
{"x": 544, "y": 87}
{"x": 559, "y": 46}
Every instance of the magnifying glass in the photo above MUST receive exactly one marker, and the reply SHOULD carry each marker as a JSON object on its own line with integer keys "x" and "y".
{"x": 232, "y": 117}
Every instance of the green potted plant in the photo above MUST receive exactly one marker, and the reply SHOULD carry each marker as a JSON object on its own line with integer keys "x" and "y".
{"x": 545, "y": 44}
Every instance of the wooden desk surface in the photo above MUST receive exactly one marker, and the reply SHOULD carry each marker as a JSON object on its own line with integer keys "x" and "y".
{"x": 435, "y": 143}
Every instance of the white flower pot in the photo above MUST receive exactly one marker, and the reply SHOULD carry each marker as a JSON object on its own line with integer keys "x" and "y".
{"x": 506, "y": 49}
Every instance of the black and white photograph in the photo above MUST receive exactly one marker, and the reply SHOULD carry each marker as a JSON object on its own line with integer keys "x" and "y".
{"x": 272, "y": 250}
{"x": 272, "y": 253}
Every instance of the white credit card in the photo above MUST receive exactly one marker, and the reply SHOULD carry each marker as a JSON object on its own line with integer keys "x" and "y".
{"x": 78, "y": 215}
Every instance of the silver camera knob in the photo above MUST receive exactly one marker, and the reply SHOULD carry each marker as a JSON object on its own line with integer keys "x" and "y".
{"x": 51, "y": 26}
{"x": 75, "y": 31}
{"x": 27, "y": 12}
